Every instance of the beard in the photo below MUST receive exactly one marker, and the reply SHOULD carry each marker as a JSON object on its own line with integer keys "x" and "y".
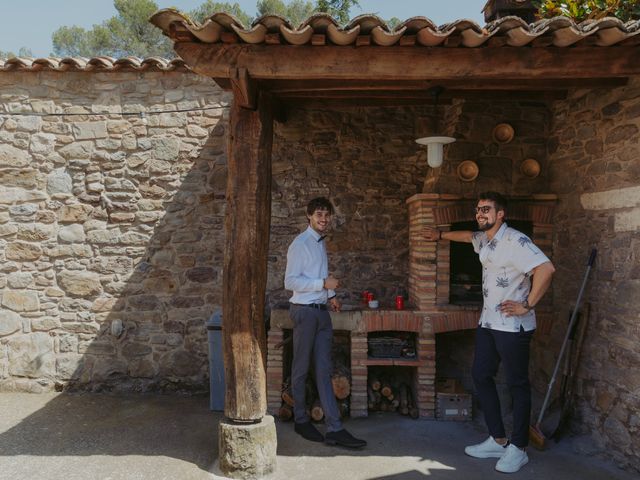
{"x": 486, "y": 226}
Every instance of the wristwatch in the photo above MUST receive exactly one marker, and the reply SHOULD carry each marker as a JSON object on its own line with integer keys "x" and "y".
{"x": 526, "y": 305}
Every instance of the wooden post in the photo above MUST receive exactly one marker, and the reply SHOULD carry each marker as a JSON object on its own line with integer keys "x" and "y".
{"x": 247, "y": 224}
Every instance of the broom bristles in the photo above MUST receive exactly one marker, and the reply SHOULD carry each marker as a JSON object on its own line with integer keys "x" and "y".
{"x": 536, "y": 437}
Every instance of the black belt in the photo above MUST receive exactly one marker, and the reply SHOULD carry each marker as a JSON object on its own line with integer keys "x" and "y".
{"x": 319, "y": 306}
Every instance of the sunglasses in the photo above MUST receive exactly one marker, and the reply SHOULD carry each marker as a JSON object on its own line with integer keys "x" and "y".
{"x": 485, "y": 209}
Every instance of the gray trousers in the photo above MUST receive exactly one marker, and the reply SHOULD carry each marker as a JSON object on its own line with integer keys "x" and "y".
{"x": 312, "y": 340}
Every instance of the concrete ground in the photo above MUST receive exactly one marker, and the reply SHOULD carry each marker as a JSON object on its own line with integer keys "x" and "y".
{"x": 68, "y": 437}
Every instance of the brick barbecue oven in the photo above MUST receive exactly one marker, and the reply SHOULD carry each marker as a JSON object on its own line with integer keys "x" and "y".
{"x": 442, "y": 296}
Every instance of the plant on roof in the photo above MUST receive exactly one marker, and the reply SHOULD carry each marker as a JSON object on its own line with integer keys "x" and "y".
{"x": 581, "y": 10}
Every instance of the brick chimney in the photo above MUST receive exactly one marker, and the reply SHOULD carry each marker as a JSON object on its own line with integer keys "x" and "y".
{"x": 524, "y": 9}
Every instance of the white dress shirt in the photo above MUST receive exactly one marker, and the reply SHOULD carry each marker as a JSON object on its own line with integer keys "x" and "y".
{"x": 507, "y": 261}
{"x": 307, "y": 267}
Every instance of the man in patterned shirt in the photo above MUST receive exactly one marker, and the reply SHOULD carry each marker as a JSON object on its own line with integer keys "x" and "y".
{"x": 515, "y": 276}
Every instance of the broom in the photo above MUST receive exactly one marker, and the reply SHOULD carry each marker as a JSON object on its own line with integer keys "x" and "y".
{"x": 536, "y": 436}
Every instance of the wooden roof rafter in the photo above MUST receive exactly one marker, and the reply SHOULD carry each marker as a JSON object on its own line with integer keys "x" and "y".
{"x": 367, "y": 59}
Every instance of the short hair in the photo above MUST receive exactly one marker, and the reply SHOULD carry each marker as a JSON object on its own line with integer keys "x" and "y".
{"x": 319, "y": 203}
{"x": 499, "y": 200}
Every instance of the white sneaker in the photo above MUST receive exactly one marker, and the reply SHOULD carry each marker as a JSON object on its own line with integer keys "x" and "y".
{"x": 487, "y": 449}
{"x": 513, "y": 460}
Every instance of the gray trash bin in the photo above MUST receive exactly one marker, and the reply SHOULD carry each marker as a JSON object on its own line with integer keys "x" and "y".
{"x": 216, "y": 362}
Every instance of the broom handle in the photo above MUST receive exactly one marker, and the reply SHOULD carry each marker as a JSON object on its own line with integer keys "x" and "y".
{"x": 574, "y": 315}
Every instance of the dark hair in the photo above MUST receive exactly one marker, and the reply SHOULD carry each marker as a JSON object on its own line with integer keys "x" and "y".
{"x": 499, "y": 201}
{"x": 319, "y": 203}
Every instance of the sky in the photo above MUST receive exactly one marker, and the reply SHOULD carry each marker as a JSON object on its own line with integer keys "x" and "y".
{"x": 30, "y": 23}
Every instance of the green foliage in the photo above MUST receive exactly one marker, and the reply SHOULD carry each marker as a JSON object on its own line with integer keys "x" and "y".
{"x": 128, "y": 33}
{"x": 393, "y": 22}
{"x": 295, "y": 11}
{"x": 581, "y": 10}
{"x": 337, "y": 8}
{"x": 131, "y": 33}
{"x": 208, "y": 8}
{"x": 23, "y": 52}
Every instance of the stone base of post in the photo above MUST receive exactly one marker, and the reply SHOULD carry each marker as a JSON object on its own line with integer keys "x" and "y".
{"x": 247, "y": 450}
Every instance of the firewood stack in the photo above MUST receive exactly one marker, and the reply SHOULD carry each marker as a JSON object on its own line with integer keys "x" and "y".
{"x": 385, "y": 395}
{"x": 340, "y": 380}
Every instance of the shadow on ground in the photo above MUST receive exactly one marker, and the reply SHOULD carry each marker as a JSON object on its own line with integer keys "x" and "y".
{"x": 101, "y": 436}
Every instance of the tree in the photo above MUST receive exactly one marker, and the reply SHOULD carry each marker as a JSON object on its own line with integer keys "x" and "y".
{"x": 393, "y": 22}
{"x": 131, "y": 33}
{"x": 71, "y": 42}
{"x": 337, "y": 8}
{"x": 580, "y": 10}
{"x": 208, "y": 8}
{"x": 296, "y": 11}
{"x": 128, "y": 33}
{"x": 23, "y": 52}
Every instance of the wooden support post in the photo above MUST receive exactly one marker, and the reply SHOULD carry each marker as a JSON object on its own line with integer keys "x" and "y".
{"x": 247, "y": 224}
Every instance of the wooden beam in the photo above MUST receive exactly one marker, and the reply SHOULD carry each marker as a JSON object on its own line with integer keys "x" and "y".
{"x": 247, "y": 225}
{"x": 282, "y": 87}
{"x": 426, "y": 97}
{"x": 293, "y": 101}
{"x": 280, "y": 62}
{"x": 244, "y": 89}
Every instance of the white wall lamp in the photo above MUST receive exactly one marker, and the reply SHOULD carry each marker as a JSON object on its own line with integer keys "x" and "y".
{"x": 435, "y": 144}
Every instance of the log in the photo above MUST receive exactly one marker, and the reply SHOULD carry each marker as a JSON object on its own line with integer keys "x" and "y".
{"x": 413, "y": 409}
{"x": 341, "y": 386}
{"x": 317, "y": 413}
{"x": 374, "y": 383}
{"x": 287, "y": 396}
{"x": 387, "y": 391}
{"x": 247, "y": 224}
{"x": 343, "y": 406}
{"x": 285, "y": 413}
{"x": 373, "y": 398}
{"x": 404, "y": 400}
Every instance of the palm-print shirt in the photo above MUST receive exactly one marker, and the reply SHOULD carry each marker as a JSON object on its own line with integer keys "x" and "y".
{"x": 507, "y": 261}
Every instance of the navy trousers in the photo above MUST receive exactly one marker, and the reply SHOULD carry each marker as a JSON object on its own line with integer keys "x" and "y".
{"x": 312, "y": 341}
{"x": 512, "y": 348}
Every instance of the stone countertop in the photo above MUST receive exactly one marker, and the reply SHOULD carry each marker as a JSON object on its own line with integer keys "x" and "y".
{"x": 355, "y": 317}
{"x": 350, "y": 318}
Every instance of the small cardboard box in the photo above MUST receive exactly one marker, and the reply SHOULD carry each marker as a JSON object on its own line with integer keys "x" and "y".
{"x": 452, "y": 402}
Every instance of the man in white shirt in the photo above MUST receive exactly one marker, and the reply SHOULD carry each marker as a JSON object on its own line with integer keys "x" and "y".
{"x": 308, "y": 276}
{"x": 515, "y": 276}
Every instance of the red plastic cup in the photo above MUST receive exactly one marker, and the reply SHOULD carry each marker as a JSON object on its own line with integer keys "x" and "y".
{"x": 369, "y": 296}
{"x": 399, "y": 302}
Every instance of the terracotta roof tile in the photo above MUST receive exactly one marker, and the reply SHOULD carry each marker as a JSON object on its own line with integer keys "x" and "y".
{"x": 95, "y": 64}
{"x": 557, "y": 31}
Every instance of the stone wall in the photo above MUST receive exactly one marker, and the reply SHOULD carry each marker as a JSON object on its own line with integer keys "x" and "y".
{"x": 472, "y": 122}
{"x": 594, "y": 157}
{"x": 110, "y": 229}
{"x": 366, "y": 161}
{"x": 111, "y": 226}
